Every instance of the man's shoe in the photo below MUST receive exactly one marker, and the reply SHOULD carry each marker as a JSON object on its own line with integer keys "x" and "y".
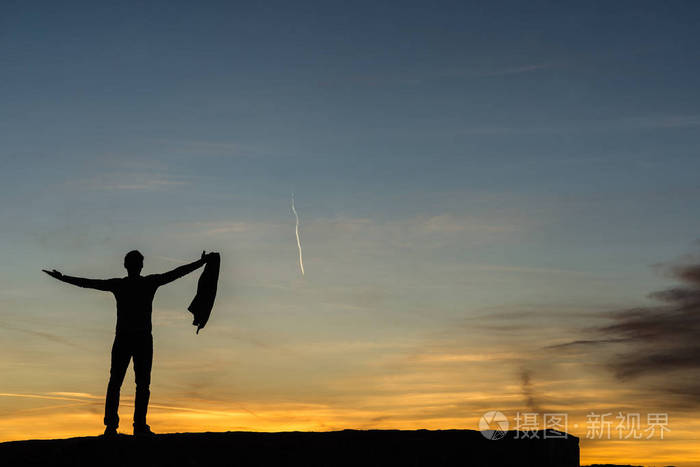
{"x": 110, "y": 432}
{"x": 143, "y": 430}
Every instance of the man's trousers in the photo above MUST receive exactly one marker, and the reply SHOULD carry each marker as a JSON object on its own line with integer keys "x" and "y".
{"x": 138, "y": 346}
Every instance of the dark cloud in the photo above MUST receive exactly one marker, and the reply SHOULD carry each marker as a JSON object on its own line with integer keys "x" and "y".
{"x": 660, "y": 343}
{"x": 531, "y": 401}
{"x": 582, "y": 342}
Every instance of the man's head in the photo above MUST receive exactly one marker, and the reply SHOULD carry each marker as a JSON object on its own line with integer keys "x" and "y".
{"x": 133, "y": 262}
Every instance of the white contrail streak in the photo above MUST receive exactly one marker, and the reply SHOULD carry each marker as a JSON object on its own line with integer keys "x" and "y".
{"x": 301, "y": 259}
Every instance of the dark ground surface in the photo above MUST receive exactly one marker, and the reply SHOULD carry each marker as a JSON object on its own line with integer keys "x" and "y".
{"x": 338, "y": 448}
{"x": 615, "y": 465}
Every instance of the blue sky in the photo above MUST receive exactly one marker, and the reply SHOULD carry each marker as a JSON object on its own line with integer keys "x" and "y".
{"x": 448, "y": 159}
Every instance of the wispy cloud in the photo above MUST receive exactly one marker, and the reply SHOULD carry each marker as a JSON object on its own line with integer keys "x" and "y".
{"x": 421, "y": 225}
{"x": 465, "y": 357}
{"x": 42, "y": 334}
{"x": 126, "y": 400}
{"x": 662, "y": 121}
{"x": 513, "y": 71}
{"x": 623, "y": 124}
{"x": 218, "y": 228}
{"x": 58, "y": 396}
{"x": 447, "y": 223}
{"x": 413, "y": 229}
{"x": 117, "y": 172}
{"x": 131, "y": 182}
{"x": 526, "y": 269}
{"x": 83, "y": 395}
{"x": 582, "y": 342}
{"x": 414, "y": 77}
{"x": 212, "y": 148}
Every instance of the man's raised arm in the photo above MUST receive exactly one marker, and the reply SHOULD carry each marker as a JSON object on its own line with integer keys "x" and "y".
{"x": 178, "y": 272}
{"x": 99, "y": 284}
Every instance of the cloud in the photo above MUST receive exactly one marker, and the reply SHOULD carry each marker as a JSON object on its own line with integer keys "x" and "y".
{"x": 416, "y": 227}
{"x": 663, "y": 121}
{"x": 83, "y": 395}
{"x": 416, "y": 231}
{"x": 665, "y": 337}
{"x": 528, "y": 270}
{"x": 528, "y": 390}
{"x": 446, "y": 223}
{"x": 219, "y": 228}
{"x": 465, "y": 357}
{"x": 206, "y": 148}
{"x": 131, "y": 180}
{"x": 657, "y": 345}
{"x": 226, "y": 228}
{"x": 647, "y": 122}
{"x": 44, "y": 335}
{"x": 582, "y": 342}
{"x": 415, "y": 77}
{"x": 125, "y": 400}
{"x": 513, "y": 70}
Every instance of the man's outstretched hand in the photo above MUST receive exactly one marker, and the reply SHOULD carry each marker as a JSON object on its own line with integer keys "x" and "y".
{"x": 205, "y": 256}
{"x": 55, "y": 274}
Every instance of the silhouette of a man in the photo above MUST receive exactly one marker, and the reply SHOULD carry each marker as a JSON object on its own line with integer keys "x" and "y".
{"x": 133, "y": 338}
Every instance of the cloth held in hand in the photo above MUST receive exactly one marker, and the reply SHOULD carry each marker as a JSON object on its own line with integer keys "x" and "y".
{"x": 203, "y": 302}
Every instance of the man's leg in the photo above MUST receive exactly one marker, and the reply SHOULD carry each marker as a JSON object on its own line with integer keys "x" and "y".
{"x": 143, "y": 361}
{"x": 121, "y": 354}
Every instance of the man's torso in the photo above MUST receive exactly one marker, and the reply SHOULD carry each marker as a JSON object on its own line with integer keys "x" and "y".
{"x": 134, "y": 297}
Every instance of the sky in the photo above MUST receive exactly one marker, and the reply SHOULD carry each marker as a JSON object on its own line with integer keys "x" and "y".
{"x": 484, "y": 189}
